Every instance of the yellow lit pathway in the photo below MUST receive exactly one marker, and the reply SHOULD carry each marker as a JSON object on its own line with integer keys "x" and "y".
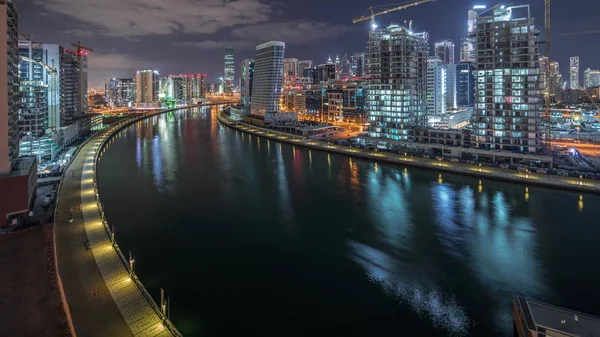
{"x": 140, "y": 316}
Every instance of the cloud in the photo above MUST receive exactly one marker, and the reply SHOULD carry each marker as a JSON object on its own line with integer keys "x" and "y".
{"x": 587, "y": 32}
{"x": 212, "y": 44}
{"x": 135, "y": 18}
{"x": 118, "y": 62}
{"x": 297, "y": 32}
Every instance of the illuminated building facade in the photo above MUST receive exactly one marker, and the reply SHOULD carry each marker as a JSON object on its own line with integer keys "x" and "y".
{"x": 246, "y": 79}
{"x": 120, "y": 91}
{"x": 574, "y": 72}
{"x": 397, "y": 68}
{"x": 146, "y": 85}
{"x": 445, "y": 51}
{"x": 9, "y": 85}
{"x": 465, "y": 84}
{"x": 508, "y": 100}
{"x": 268, "y": 77}
{"x": 591, "y": 78}
{"x": 436, "y": 86}
{"x": 229, "y": 72}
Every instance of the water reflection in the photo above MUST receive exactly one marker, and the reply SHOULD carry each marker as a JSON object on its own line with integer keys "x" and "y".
{"x": 453, "y": 250}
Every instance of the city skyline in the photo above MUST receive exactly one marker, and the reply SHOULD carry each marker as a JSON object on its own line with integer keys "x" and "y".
{"x": 188, "y": 43}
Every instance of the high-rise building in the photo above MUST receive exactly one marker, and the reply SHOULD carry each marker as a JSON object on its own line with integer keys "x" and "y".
{"x": 445, "y": 51}
{"x": 246, "y": 79}
{"x": 357, "y": 61}
{"x": 311, "y": 73}
{"x": 73, "y": 101}
{"x": 303, "y": 64}
{"x": 395, "y": 100}
{"x": 51, "y": 57}
{"x": 555, "y": 78}
{"x": 9, "y": 85}
{"x": 146, "y": 85}
{"x": 120, "y": 91}
{"x": 40, "y": 87}
{"x": 451, "y": 82}
{"x": 290, "y": 68}
{"x": 344, "y": 69}
{"x": 465, "y": 84}
{"x": 325, "y": 72}
{"x": 33, "y": 89}
{"x": 508, "y": 100}
{"x": 574, "y": 72}
{"x": 591, "y": 78}
{"x": 229, "y": 72}
{"x": 467, "y": 48}
{"x": 436, "y": 86}
{"x": 268, "y": 76}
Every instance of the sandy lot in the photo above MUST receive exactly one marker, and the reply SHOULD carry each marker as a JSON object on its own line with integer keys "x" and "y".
{"x": 29, "y": 299}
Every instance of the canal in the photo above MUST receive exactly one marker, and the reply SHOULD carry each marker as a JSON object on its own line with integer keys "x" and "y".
{"x": 252, "y": 237}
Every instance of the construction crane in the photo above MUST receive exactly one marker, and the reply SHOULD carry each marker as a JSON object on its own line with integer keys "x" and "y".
{"x": 52, "y": 86}
{"x": 374, "y": 11}
{"x": 80, "y": 47}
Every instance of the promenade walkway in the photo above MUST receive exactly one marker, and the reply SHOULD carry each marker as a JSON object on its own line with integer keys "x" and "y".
{"x": 575, "y": 184}
{"x": 104, "y": 299}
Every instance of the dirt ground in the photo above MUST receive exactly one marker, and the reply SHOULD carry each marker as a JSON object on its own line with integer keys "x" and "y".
{"x": 30, "y": 303}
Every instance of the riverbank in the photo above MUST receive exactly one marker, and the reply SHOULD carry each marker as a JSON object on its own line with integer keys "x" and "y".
{"x": 104, "y": 296}
{"x": 574, "y": 184}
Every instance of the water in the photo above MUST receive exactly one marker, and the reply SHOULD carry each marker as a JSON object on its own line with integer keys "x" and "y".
{"x": 252, "y": 237}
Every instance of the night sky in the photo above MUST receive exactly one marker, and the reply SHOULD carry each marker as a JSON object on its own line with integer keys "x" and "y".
{"x": 188, "y": 36}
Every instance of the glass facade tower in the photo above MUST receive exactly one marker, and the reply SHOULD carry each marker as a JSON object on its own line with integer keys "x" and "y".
{"x": 396, "y": 94}
{"x": 508, "y": 100}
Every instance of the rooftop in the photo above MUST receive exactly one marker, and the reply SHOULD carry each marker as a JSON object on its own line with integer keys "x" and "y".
{"x": 551, "y": 320}
{"x": 22, "y": 167}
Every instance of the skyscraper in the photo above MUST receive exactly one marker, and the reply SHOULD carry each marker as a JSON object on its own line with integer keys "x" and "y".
{"x": 396, "y": 101}
{"x": 290, "y": 68}
{"x": 591, "y": 78}
{"x": 436, "y": 86}
{"x": 268, "y": 76}
{"x": 445, "y": 51}
{"x": 120, "y": 91}
{"x": 72, "y": 98}
{"x": 246, "y": 79}
{"x": 33, "y": 88}
{"x": 229, "y": 72}
{"x": 325, "y": 72}
{"x": 574, "y": 72}
{"x": 465, "y": 84}
{"x": 451, "y": 86}
{"x": 146, "y": 82}
{"x": 9, "y": 85}
{"x": 555, "y": 78}
{"x": 303, "y": 64}
{"x": 357, "y": 61}
{"x": 508, "y": 101}
{"x": 467, "y": 48}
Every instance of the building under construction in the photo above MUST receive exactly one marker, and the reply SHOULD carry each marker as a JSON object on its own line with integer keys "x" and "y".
{"x": 508, "y": 100}
{"x": 397, "y": 69}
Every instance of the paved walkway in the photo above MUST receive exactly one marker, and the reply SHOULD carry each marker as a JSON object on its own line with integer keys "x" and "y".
{"x": 576, "y": 184}
{"x": 93, "y": 310}
{"x": 104, "y": 301}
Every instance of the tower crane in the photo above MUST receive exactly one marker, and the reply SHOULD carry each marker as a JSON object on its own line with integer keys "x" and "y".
{"x": 80, "y": 47}
{"x": 374, "y": 11}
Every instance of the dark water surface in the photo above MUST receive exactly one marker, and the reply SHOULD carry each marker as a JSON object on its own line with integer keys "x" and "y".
{"x": 250, "y": 237}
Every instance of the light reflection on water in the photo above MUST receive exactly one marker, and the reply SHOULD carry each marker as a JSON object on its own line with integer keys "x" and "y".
{"x": 427, "y": 301}
{"x": 454, "y": 252}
